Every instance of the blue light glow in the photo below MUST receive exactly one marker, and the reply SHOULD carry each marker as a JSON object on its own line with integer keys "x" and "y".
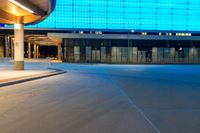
{"x": 175, "y": 15}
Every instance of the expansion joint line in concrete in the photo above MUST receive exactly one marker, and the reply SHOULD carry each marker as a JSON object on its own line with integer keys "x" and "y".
{"x": 132, "y": 103}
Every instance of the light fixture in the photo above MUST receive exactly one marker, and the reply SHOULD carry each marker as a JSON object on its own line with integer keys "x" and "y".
{"x": 22, "y": 6}
{"x": 17, "y": 26}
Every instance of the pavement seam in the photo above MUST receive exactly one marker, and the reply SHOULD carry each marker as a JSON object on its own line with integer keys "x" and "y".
{"x": 134, "y": 105}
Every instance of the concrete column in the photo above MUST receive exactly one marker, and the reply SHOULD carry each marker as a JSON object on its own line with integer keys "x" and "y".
{"x": 59, "y": 52}
{"x": 19, "y": 47}
{"x": 12, "y": 47}
{"x": 7, "y": 46}
{"x": 35, "y": 51}
{"x": 29, "y": 50}
{"x": 1, "y": 47}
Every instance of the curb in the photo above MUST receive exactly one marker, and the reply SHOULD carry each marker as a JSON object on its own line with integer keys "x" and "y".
{"x": 34, "y": 77}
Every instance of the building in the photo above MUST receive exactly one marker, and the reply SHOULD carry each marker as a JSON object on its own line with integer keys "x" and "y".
{"x": 114, "y": 31}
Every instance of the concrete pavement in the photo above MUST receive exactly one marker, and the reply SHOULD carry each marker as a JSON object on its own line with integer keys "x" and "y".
{"x": 105, "y": 99}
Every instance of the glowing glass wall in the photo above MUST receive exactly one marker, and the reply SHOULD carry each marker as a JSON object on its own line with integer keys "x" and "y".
{"x": 175, "y": 15}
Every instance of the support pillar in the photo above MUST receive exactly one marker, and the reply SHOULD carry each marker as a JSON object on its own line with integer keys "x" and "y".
{"x": 29, "y": 50}
{"x": 35, "y": 51}
{"x": 12, "y": 47}
{"x": 19, "y": 47}
{"x": 7, "y": 46}
{"x": 1, "y": 48}
{"x": 59, "y": 52}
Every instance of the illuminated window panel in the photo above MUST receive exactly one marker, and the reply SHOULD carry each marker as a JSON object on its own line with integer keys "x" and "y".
{"x": 155, "y": 15}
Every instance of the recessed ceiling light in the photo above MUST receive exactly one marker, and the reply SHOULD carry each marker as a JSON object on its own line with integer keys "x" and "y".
{"x": 22, "y": 6}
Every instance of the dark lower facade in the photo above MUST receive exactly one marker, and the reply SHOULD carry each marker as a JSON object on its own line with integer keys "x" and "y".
{"x": 131, "y": 51}
{"x": 1, "y": 49}
{"x": 115, "y": 48}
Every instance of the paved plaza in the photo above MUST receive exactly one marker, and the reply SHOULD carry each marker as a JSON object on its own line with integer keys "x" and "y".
{"x": 7, "y": 75}
{"x": 105, "y": 99}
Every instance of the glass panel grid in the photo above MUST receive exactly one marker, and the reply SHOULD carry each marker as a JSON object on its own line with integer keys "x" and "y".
{"x": 183, "y": 15}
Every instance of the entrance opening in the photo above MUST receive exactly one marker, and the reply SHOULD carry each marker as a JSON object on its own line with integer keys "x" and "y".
{"x": 48, "y": 52}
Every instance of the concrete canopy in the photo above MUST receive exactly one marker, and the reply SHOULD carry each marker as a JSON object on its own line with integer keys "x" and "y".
{"x": 20, "y": 12}
{"x": 25, "y": 11}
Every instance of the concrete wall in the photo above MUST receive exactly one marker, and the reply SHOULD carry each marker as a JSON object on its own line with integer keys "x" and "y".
{"x": 76, "y": 53}
{"x": 132, "y": 53}
{"x": 88, "y": 53}
{"x": 154, "y": 54}
{"x": 103, "y": 54}
{"x": 120, "y": 54}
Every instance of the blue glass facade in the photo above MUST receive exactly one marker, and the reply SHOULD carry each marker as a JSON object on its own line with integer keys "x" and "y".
{"x": 155, "y": 15}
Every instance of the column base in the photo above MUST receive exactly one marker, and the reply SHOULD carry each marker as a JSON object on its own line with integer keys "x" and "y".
{"x": 19, "y": 65}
